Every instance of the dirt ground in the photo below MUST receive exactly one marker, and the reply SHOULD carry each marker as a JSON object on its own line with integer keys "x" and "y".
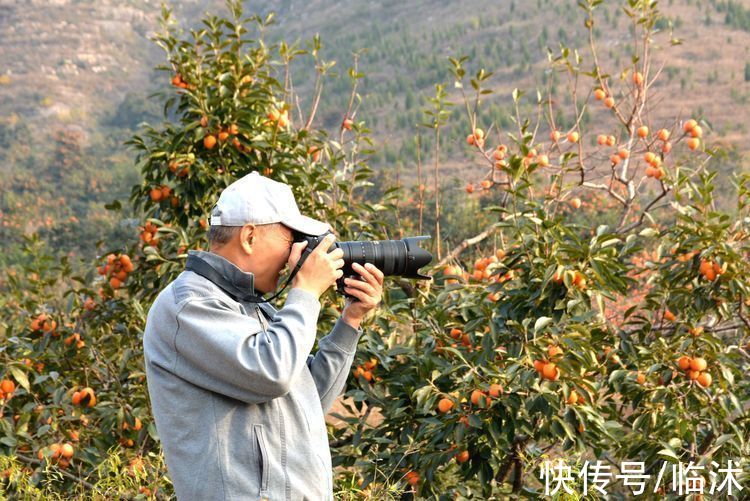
{"x": 374, "y": 419}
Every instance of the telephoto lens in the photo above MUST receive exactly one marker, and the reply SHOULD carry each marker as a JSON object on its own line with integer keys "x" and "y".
{"x": 401, "y": 258}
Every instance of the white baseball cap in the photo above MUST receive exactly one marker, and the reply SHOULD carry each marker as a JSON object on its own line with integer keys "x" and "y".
{"x": 255, "y": 199}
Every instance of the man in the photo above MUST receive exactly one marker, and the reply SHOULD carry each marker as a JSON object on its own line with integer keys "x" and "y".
{"x": 238, "y": 400}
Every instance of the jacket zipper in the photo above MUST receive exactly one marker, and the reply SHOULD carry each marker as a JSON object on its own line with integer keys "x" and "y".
{"x": 260, "y": 321}
{"x": 264, "y": 473}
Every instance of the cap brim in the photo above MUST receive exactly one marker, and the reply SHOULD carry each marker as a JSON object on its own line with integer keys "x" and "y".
{"x": 307, "y": 225}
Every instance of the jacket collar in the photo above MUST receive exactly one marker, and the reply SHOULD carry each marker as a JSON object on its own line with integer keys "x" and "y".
{"x": 237, "y": 283}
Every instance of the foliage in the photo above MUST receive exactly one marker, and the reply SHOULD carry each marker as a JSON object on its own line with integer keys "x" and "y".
{"x": 559, "y": 331}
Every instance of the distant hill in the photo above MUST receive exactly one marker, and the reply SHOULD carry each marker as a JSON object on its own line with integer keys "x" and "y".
{"x": 87, "y": 66}
{"x": 77, "y": 61}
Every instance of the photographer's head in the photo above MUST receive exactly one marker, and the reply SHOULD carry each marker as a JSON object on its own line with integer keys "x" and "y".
{"x": 251, "y": 226}
{"x": 262, "y": 250}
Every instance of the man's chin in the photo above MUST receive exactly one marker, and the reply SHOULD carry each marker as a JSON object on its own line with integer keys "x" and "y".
{"x": 266, "y": 288}
{"x": 262, "y": 290}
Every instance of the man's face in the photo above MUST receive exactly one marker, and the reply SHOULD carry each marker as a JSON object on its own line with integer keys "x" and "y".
{"x": 271, "y": 248}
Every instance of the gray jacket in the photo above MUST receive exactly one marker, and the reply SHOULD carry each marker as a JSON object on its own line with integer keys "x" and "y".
{"x": 237, "y": 398}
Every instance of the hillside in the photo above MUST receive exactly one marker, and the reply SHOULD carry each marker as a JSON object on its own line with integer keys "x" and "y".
{"x": 73, "y": 61}
{"x": 87, "y": 67}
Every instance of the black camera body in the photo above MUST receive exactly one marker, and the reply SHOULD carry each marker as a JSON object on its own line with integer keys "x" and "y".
{"x": 392, "y": 257}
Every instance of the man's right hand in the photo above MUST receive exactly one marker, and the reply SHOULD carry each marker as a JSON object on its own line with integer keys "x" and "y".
{"x": 320, "y": 270}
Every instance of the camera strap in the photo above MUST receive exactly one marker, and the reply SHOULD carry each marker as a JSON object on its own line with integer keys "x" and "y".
{"x": 300, "y": 261}
{"x": 289, "y": 279}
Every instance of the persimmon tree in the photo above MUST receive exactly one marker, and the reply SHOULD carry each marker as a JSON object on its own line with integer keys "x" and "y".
{"x": 609, "y": 321}
{"x": 74, "y": 404}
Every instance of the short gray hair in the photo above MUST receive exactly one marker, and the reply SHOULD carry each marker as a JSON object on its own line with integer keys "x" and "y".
{"x": 219, "y": 236}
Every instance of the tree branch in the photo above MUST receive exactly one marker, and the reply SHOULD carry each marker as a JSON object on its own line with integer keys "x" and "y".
{"x": 35, "y": 462}
{"x": 454, "y": 253}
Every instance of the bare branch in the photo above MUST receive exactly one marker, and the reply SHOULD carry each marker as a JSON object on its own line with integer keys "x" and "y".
{"x": 35, "y": 462}
{"x": 456, "y": 251}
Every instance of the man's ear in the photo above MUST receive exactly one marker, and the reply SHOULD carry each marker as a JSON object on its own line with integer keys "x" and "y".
{"x": 248, "y": 234}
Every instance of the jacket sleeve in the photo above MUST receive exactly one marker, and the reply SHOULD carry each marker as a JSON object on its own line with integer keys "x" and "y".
{"x": 331, "y": 363}
{"x": 222, "y": 350}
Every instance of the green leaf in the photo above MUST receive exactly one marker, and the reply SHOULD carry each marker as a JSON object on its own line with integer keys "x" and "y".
{"x": 566, "y": 427}
{"x": 723, "y": 439}
{"x": 669, "y": 454}
{"x": 20, "y": 376}
{"x": 727, "y": 373}
{"x": 541, "y": 323}
{"x": 42, "y": 430}
{"x": 114, "y": 205}
{"x": 617, "y": 375}
{"x": 475, "y": 421}
{"x": 421, "y": 394}
{"x": 9, "y": 441}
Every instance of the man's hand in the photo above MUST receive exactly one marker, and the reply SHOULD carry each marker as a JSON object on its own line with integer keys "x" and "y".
{"x": 368, "y": 293}
{"x": 320, "y": 270}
